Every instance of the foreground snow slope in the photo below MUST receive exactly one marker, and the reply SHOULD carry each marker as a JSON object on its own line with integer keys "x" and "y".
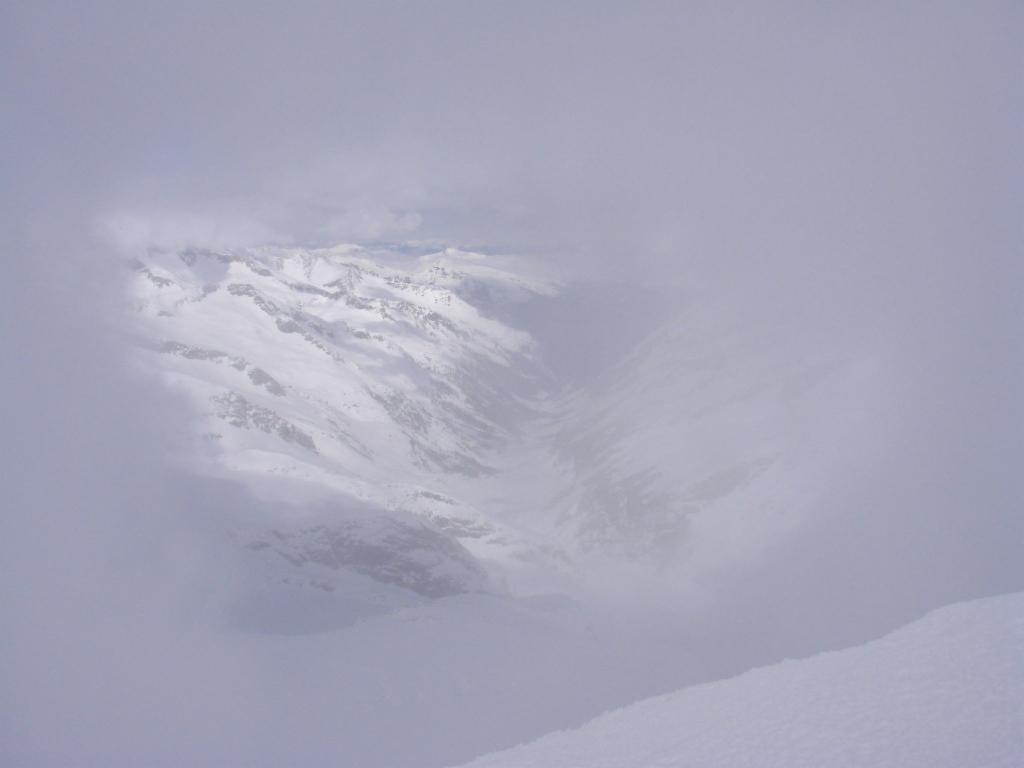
{"x": 947, "y": 690}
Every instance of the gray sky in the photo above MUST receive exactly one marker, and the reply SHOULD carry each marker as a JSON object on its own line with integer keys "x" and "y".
{"x": 858, "y": 167}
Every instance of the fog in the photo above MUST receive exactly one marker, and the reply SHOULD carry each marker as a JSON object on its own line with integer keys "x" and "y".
{"x": 830, "y": 181}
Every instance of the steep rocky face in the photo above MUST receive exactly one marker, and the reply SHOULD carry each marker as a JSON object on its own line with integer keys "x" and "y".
{"x": 406, "y": 554}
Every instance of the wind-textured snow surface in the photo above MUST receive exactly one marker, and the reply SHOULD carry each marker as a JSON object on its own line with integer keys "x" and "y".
{"x": 944, "y": 691}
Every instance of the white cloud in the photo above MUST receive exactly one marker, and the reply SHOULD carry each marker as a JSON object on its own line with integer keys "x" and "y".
{"x": 174, "y": 230}
{"x": 371, "y": 223}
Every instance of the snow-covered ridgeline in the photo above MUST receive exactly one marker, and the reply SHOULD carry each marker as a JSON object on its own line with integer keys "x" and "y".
{"x": 942, "y": 692}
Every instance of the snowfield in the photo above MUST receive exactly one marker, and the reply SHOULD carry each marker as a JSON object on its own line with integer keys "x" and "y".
{"x": 943, "y": 691}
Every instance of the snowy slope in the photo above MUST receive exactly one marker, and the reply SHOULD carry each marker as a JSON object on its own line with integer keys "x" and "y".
{"x": 944, "y": 691}
{"x": 711, "y": 441}
{"x": 375, "y": 381}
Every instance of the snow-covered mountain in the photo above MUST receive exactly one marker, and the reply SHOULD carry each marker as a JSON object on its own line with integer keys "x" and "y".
{"x": 943, "y": 691}
{"x": 710, "y": 441}
{"x": 409, "y": 429}
{"x": 376, "y": 381}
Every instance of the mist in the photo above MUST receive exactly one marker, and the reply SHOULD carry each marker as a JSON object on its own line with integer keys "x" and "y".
{"x": 780, "y": 186}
